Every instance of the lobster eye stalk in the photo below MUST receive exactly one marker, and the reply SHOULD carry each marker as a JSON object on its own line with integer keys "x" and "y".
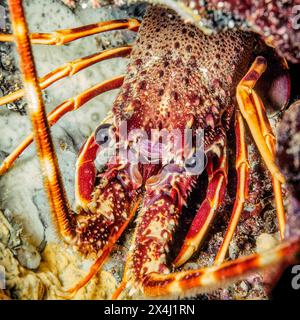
{"x": 103, "y": 135}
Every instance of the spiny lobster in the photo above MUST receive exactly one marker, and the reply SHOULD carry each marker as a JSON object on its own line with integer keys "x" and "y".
{"x": 178, "y": 77}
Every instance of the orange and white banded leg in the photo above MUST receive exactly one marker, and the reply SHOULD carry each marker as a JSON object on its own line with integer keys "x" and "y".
{"x": 192, "y": 282}
{"x": 242, "y": 169}
{"x": 254, "y": 113}
{"x": 69, "y": 69}
{"x": 206, "y": 213}
{"x": 62, "y": 214}
{"x": 61, "y": 37}
{"x": 54, "y": 115}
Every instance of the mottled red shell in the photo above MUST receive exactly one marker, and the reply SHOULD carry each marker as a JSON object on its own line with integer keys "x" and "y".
{"x": 178, "y": 76}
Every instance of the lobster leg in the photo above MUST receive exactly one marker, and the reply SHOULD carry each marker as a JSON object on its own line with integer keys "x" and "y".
{"x": 271, "y": 142}
{"x": 54, "y": 115}
{"x": 254, "y": 113}
{"x": 193, "y": 282}
{"x": 63, "y": 216}
{"x": 61, "y": 37}
{"x": 242, "y": 168}
{"x": 69, "y": 69}
{"x": 205, "y": 214}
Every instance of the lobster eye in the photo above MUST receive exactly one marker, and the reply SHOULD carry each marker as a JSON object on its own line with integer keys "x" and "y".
{"x": 102, "y": 134}
{"x": 191, "y": 162}
{"x": 196, "y": 163}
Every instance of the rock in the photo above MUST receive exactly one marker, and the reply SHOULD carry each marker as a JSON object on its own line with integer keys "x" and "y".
{"x": 28, "y": 257}
{"x": 244, "y": 286}
{"x": 233, "y": 250}
{"x": 265, "y": 242}
{"x": 6, "y": 61}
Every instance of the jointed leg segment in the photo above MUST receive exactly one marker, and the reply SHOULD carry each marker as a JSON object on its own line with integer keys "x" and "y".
{"x": 242, "y": 168}
{"x": 254, "y": 113}
{"x": 248, "y": 110}
{"x": 69, "y": 69}
{"x": 61, "y": 37}
{"x": 189, "y": 282}
{"x": 271, "y": 143}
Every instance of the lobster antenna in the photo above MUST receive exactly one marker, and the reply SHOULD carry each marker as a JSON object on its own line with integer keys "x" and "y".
{"x": 53, "y": 184}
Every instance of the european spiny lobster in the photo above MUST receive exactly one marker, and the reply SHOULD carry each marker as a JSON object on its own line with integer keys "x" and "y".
{"x": 178, "y": 77}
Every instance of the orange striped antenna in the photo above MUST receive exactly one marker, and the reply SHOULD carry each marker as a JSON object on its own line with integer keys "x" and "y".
{"x": 63, "y": 216}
